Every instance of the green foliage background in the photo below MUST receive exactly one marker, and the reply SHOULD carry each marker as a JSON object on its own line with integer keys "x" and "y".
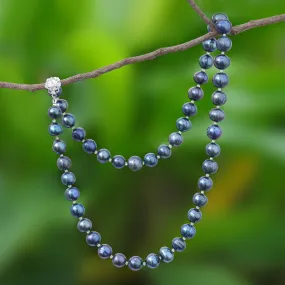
{"x": 131, "y": 111}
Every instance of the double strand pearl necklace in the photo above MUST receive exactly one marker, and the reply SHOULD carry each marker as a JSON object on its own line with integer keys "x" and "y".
{"x": 135, "y": 163}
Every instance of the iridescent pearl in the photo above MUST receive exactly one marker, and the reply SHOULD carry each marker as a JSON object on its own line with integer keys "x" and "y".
{"x": 64, "y": 163}
{"x": 194, "y": 215}
{"x": 68, "y": 120}
{"x": 93, "y": 239}
{"x": 68, "y": 178}
{"x": 119, "y": 161}
{"x": 135, "y": 163}
{"x": 223, "y": 26}
{"x": 219, "y": 98}
{"x": 166, "y": 254}
{"x": 164, "y": 151}
{"x": 89, "y": 146}
{"x": 105, "y": 251}
{"x": 119, "y": 260}
{"x": 210, "y": 45}
{"x": 178, "y": 244}
{"x": 77, "y": 210}
{"x": 59, "y": 147}
{"x": 84, "y": 225}
{"x": 217, "y": 115}
{"x": 189, "y": 109}
{"x": 221, "y": 80}
{"x": 135, "y": 263}
{"x": 195, "y": 93}
{"x": 183, "y": 125}
{"x": 175, "y": 139}
{"x": 213, "y": 150}
{"x": 206, "y": 61}
{"x": 78, "y": 134}
{"x": 224, "y": 44}
{"x": 205, "y": 183}
{"x": 150, "y": 160}
{"x": 201, "y": 77}
{"x": 222, "y": 61}
{"x": 210, "y": 166}
{"x": 55, "y": 129}
{"x": 219, "y": 16}
{"x": 200, "y": 200}
{"x": 188, "y": 231}
{"x": 103, "y": 155}
{"x": 152, "y": 261}
{"x": 72, "y": 194}
{"x": 214, "y": 132}
{"x": 54, "y": 112}
{"x": 62, "y": 104}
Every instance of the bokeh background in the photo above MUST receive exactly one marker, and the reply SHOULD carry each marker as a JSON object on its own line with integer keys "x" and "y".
{"x": 131, "y": 111}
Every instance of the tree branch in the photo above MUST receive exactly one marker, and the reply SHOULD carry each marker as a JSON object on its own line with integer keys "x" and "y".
{"x": 202, "y": 14}
{"x": 149, "y": 56}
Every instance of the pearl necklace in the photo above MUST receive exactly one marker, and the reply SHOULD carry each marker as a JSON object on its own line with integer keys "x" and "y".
{"x": 209, "y": 166}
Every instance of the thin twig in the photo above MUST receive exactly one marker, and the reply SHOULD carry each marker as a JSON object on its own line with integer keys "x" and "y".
{"x": 202, "y": 15}
{"x": 149, "y": 56}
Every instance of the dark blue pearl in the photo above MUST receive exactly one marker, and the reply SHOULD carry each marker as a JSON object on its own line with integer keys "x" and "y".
{"x": 201, "y": 77}
{"x": 62, "y": 104}
{"x": 214, "y": 132}
{"x": 84, "y": 225}
{"x": 219, "y": 16}
{"x": 178, "y": 244}
{"x": 89, "y": 146}
{"x": 135, "y": 163}
{"x": 119, "y": 161}
{"x": 55, "y": 129}
{"x": 164, "y": 151}
{"x": 206, "y": 61}
{"x": 221, "y": 80}
{"x": 77, "y": 210}
{"x": 175, "y": 139}
{"x": 188, "y": 231}
{"x": 59, "y": 147}
{"x": 205, "y": 183}
{"x": 54, "y": 112}
{"x": 210, "y": 166}
{"x": 166, "y": 254}
{"x": 152, "y": 261}
{"x": 183, "y": 124}
{"x": 68, "y": 120}
{"x": 150, "y": 160}
{"x": 208, "y": 28}
{"x": 105, "y": 251}
{"x": 194, "y": 215}
{"x": 217, "y": 115}
{"x": 72, "y": 194}
{"x": 68, "y": 178}
{"x": 103, "y": 155}
{"x": 223, "y": 26}
{"x": 219, "y": 98}
{"x": 93, "y": 239}
{"x": 119, "y": 260}
{"x": 210, "y": 45}
{"x": 213, "y": 150}
{"x": 224, "y": 44}
{"x": 200, "y": 200}
{"x": 195, "y": 93}
{"x": 135, "y": 263}
{"x": 189, "y": 109}
{"x": 78, "y": 134}
{"x": 64, "y": 163}
{"x": 222, "y": 61}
